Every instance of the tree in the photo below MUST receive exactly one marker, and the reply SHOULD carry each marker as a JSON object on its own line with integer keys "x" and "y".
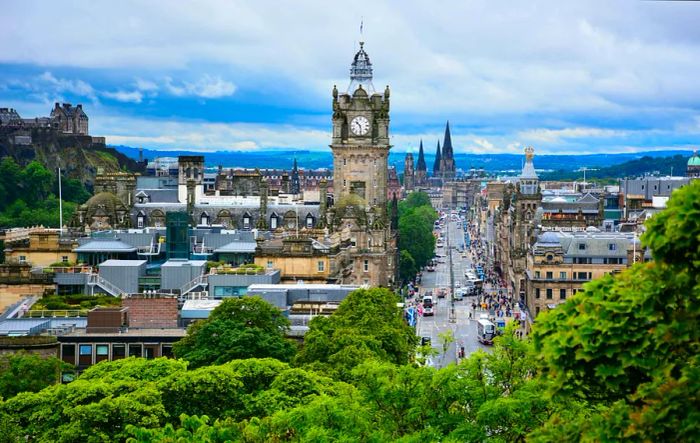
{"x": 23, "y": 372}
{"x": 407, "y": 266}
{"x": 415, "y": 200}
{"x": 238, "y": 328}
{"x": 367, "y": 324}
{"x": 629, "y": 344}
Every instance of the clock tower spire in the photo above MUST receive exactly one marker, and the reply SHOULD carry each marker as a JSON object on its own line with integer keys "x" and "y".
{"x": 360, "y": 145}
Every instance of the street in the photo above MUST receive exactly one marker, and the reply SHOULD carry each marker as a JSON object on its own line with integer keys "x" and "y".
{"x": 464, "y": 329}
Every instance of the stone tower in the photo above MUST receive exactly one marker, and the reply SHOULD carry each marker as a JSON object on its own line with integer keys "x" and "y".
{"x": 190, "y": 179}
{"x": 295, "y": 188}
{"x": 421, "y": 174}
{"x": 361, "y": 139}
{"x": 447, "y": 161}
{"x": 360, "y": 145}
{"x": 408, "y": 173}
{"x": 437, "y": 172}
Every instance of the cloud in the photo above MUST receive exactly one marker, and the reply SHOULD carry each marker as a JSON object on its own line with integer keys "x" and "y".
{"x": 591, "y": 75}
{"x": 484, "y": 143}
{"x": 205, "y": 87}
{"x": 125, "y": 96}
{"x": 557, "y": 135}
{"x": 205, "y": 136}
{"x": 145, "y": 85}
{"x": 61, "y": 85}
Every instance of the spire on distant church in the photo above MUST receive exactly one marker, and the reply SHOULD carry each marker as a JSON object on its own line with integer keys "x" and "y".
{"x": 438, "y": 161}
{"x": 420, "y": 166}
{"x": 447, "y": 144}
{"x": 296, "y": 185}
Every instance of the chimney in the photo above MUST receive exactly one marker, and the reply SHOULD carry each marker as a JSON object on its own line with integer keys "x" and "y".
{"x": 58, "y": 106}
{"x": 80, "y": 106}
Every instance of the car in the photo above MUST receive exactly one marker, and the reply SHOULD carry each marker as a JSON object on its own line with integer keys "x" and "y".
{"x": 442, "y": 293}
{"x": 430, "y": 268}
{"x": 425, "y": 341}
{"x": 459, "y": 294}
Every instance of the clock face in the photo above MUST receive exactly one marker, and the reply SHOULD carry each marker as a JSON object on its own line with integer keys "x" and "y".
{"x": 359, "y": 125}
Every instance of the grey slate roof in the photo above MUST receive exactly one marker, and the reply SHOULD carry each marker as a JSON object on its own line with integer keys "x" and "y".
{"x": 100, "y": 245}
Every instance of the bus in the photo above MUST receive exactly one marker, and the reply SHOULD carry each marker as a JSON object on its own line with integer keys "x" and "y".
{"x": 485, "y": 331}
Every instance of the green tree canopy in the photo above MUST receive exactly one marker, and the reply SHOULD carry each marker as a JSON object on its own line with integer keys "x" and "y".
{"x": 629, "y": 344}
{"x": 24, "y": 372}
{"x": 367, "y": 324}
{"x": 246, "y": 327}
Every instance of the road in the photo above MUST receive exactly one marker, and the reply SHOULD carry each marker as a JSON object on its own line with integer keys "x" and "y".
{"x": 463, "y": 328}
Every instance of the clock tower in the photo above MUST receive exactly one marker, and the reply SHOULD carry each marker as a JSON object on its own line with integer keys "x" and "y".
{"x": 360, "y": 221}
{"x": 360, "y": 142}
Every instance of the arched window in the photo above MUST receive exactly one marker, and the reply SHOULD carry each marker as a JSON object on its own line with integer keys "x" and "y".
{"x": 204, "y": 219}
{"x": 309, "y": 221}
{"x": 246, "y": 221}
{"x": 273, "y": 221}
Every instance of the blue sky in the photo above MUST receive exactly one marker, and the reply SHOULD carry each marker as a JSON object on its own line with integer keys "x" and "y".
{"x": 565, "y": 77}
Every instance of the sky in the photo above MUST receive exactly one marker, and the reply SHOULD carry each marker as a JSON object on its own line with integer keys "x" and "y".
{"x": 565, "y": 77}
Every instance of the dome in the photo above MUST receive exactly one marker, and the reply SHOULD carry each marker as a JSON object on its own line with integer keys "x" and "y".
{"x": 549, "y": 238}
{"x": 694, "y": 160}
{"x": 106, "y": 199}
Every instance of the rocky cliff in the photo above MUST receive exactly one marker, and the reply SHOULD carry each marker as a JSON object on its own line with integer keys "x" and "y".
{"x": 80, "y": 156}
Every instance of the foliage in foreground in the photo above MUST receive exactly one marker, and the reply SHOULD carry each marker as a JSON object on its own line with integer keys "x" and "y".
{"x": 616, "y": 362}
{"x": 247, "y": 327}
{"x": 23, "y": 372}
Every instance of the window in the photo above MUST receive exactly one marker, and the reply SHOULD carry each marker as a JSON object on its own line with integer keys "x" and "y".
{"x": 549, "y": 293}
{"x": 227, "y": 291}
{"x": 273, "y": 222}
{"x": 135, "y": 350}
{"x": 549, "y": 275}
{"x": 581, "y": 276}
{"x": 537, "y": 274}
{"x": 537, "y": 292}
{"x": 321, "y": 266}
{"x": 68, "y": 353}
{"x": 581, "y": 246}
{"x": 85, "y": 355}
{"x": 345, "y": 162}
{"x": 23, "y": 259}
{"x": 309, "y": 222}
{"x": 101, "y": 352}
{"x": 365, "y": 265}
{"x": 166, "y": 350}
{"x": 562, "y": 275}
{"x": 64, "y": 259}
{"x": 612, "y": 247}
{"x": 246, "y": 222}
{"x": 562, "y": 294}
{"x": 118, "y": 351}
{"x": 139, "y": 221}
{"x": 537, "y": 310}
{"x": 269, "y": 263}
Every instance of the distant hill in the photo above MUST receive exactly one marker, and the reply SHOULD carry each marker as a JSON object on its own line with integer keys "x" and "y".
{"x": 646, "y": 165}
{"x": 284, "y": 158}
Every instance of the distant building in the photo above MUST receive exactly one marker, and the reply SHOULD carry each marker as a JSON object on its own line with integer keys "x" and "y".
{"x": 421, "y": 175}
{"x": 69, "y": 120}
{"x": 693, "y": 169}
{"x": 640, "y": 194}
{"x": 408, "y": 173}
{"x": 559, "y": 263}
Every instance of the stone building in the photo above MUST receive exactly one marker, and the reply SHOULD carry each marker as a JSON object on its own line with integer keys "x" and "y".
{"x": 559, "y": 263}
{"x": 447, "y": 161}
{"x": 69, "y": 120}
{"x": 437, "y": 165}
{"x": 515, "y": 224}
{"x": 421, "y": 174}
{"x": 408, "y": 173}
{"x": 359, "y": 219}
{"x": 40, "y": 248}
